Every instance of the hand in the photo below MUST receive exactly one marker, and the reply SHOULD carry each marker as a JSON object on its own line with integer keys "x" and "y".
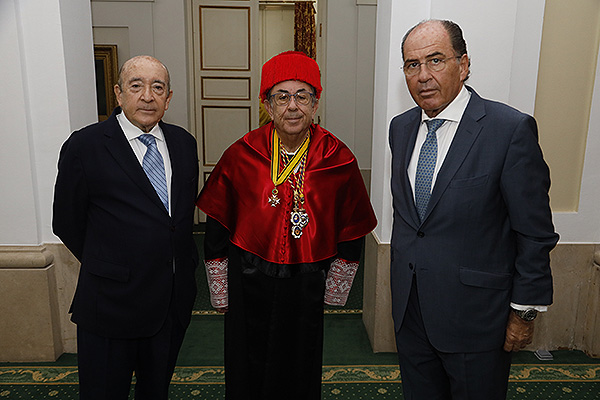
{"x": 222, "y": 310}
{"x": 519, "y": 333}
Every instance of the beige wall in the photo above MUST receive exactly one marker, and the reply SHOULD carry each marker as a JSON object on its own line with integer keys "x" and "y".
{"x": 572, "y": 322}
{"x": 30, "y": 321}
{"x": 564, "y": 93}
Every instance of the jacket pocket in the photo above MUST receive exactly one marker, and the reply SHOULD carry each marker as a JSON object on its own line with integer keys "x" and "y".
{"x": 490, "y": 280}
{"x": 469, "y": 182}
{"x": 106, "y": 269}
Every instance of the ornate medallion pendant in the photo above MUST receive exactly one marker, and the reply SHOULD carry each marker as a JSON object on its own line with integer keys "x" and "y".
{"x": 299, "y": 220}
{"x": 274, "y": 200}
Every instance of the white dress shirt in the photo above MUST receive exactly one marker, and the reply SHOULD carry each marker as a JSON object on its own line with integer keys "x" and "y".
{"x": 445, "y": 134}
{"x": 132, "y": 133}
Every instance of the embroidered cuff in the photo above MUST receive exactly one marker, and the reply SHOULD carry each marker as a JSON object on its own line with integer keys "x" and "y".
{"x": 339, "y": 281}
{"x": 216, "y": 273}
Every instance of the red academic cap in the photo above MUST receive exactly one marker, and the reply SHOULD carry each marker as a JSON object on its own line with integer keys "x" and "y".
{"x": 290, "y": 66}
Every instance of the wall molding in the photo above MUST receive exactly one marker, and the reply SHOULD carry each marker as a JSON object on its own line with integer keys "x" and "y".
{"x": 25, "y": 257}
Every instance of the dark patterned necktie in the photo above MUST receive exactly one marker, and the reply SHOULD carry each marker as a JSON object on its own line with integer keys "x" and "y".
{"x": 426, "y": 167}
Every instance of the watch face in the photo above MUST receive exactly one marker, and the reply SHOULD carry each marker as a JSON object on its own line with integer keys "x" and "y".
{"x": 528, "y": 315}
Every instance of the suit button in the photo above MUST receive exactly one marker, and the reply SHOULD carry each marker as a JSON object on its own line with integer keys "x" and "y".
{"x": 421, "y": 234}
{"x": 410, "y": 266}
{"x": 172, "y": 228}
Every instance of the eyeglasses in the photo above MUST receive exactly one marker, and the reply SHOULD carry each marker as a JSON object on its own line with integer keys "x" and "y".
{"x": 283, "y": 99}
{"x": 434, "y": 64}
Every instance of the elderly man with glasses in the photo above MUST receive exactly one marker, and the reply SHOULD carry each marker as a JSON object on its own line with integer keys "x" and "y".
{"x": 472, "y": 226}
{"x": 287, "y": 212}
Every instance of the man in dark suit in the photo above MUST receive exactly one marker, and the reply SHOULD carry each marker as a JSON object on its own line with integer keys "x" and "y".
{"x": 472, "y": 226}
{"x": 123, "y": 205}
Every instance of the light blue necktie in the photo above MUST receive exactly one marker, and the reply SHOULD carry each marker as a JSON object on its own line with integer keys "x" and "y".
{"x": 154, "y": 167}
{"x": 426, "y": 166}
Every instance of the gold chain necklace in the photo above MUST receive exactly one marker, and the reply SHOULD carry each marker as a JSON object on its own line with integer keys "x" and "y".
{"x": 298, "y": 216}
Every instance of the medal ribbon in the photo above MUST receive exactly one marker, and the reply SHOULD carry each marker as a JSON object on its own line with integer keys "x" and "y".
{"x": 279, "y": 178}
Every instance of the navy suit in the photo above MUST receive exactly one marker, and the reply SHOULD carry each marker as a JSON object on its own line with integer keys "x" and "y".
{"x": 137, "y": 261}
{"x": 487, "y": 233}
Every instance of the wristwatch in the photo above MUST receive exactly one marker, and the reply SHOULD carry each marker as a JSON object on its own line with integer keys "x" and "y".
{"x": 526, "y": 315}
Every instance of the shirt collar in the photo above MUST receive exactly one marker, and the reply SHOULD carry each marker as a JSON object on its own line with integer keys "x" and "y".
{"x": 454, "y": 110}
{"x": 133, "y": 132}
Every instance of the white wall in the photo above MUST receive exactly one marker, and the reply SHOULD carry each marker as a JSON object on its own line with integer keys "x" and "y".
{"x": 503, "y": 41}
{"x": 17, "y": 204}
{"x": 48, "y": 57}
{"x": 50, "y": 91}
{"x": 150, "y": 27}
{"x": 349, "y": 74}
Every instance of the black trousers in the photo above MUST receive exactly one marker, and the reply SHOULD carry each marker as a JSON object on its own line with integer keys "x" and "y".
{"x": 273, "y": 334}
{"x": 428, "y": 374}
{"x": 106, "y": 365}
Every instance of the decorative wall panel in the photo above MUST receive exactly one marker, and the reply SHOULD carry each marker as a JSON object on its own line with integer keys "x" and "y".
{"x": 225, "y": 28}
{"x": 222, "y": 126}
{"x": 217, "y": 88}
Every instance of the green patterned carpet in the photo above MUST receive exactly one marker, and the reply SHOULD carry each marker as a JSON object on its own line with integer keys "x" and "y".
{"x": 527, "y": 381}
{"x": 351, "y": 370}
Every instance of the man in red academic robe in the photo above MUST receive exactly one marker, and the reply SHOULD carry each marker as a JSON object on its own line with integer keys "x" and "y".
{"x": 287, "y": 212}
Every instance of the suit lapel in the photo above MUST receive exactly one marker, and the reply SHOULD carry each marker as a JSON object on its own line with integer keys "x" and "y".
{"x": 118, "y": 146}
{"x": 413, "y": 127}
{"x": 466, "y": 134}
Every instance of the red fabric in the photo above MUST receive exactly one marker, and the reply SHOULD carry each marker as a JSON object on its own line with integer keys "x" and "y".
{"x": 290, "y": 65}
{"x": 237, "y": 192}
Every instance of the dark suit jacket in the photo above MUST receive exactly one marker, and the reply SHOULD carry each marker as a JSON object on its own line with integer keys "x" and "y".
{"x": 109, "y": 216}
{"x": 488, "y": 231}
